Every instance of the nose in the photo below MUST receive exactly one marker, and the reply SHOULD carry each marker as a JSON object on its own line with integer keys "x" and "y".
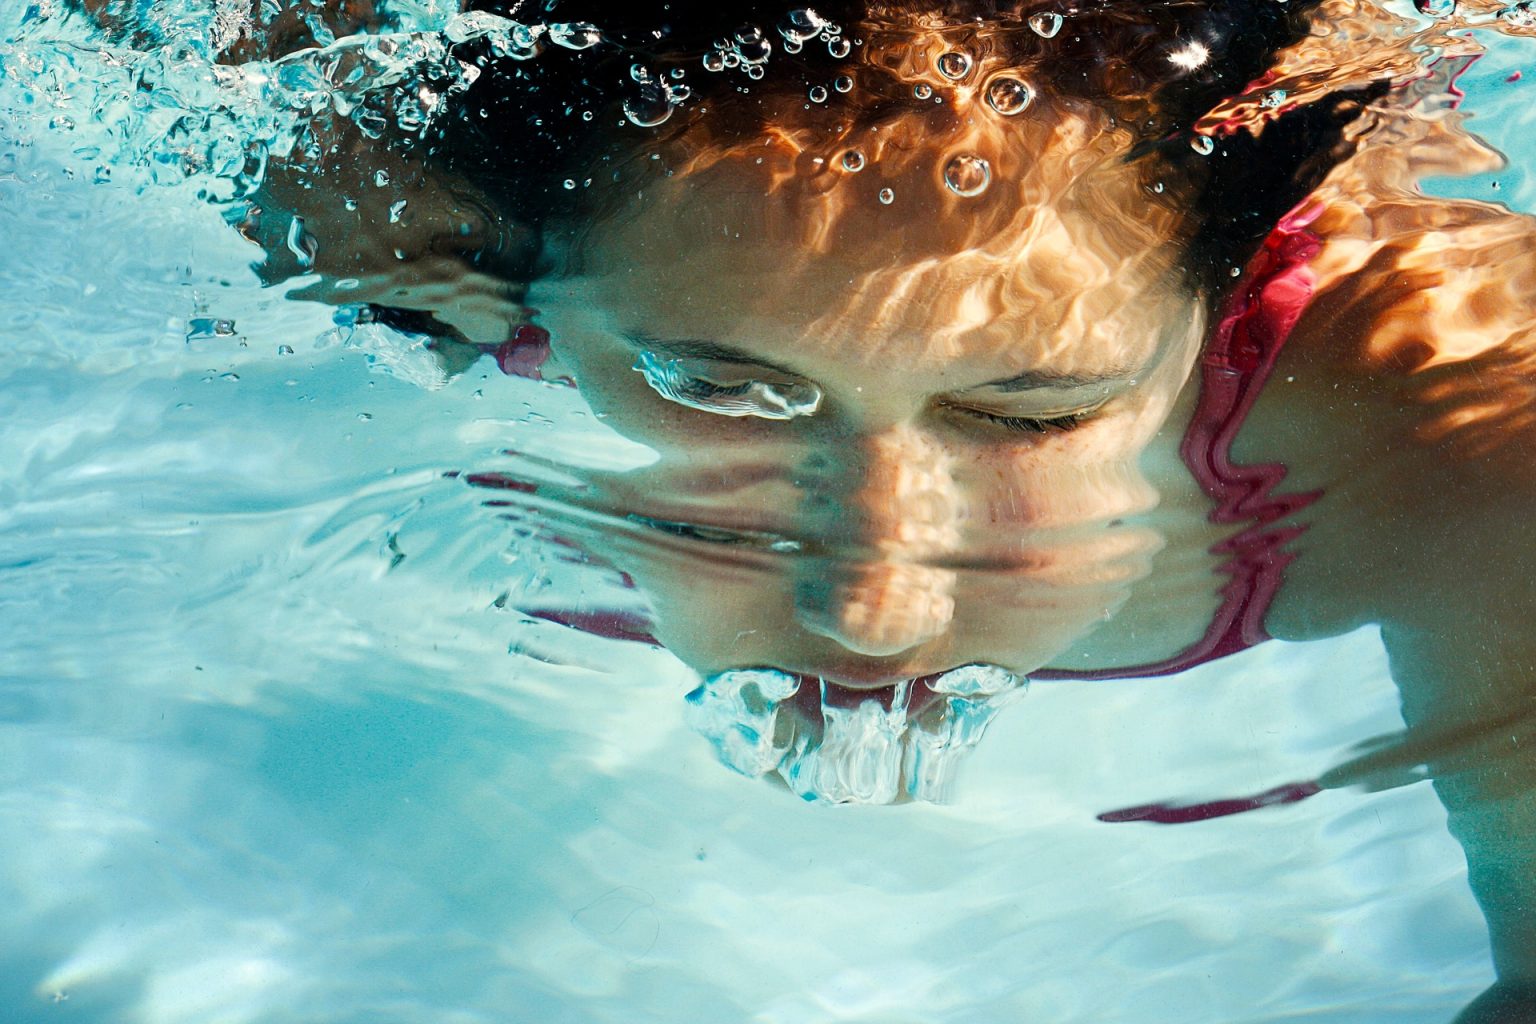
{"x": 890, "y": 503}
{"x": 877, "y": 609}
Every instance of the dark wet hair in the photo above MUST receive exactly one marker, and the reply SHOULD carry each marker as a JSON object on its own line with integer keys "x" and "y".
{"x": 527, "y": 126}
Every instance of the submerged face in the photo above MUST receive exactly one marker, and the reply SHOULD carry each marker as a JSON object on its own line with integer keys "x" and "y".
{"x": 894, "y": 437}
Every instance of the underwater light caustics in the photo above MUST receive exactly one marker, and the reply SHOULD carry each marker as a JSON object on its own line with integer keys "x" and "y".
{"x": 830, "y": 744}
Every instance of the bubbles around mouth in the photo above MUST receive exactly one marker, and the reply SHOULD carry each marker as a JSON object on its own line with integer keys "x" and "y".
{"x": 830, "y": 744}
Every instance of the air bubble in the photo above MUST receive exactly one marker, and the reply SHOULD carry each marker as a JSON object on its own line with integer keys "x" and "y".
{"x": 967, "y": 175}
{"x": 1203, "y": 144}
{"x": 570, "y": 183}
{"x": 381, "y": 178}
{"x": 853, "y": 161}
{"x": 755, "y": 72}
{"x": 922, "y": 90}
{"x": 887, "y": 196}
{"x": 802, "y": 25}
{"x": 1272, "y": 99}
{"x": 842, "y": 83}
{"x": 647, "y": 111}
{"x": 818, "y": 94}
{"x": 954, "y": 65}
{"x": 1008, "y": 96}
{"x": 839, "y": 47}
{"x": 1045, "y": 24}
{"x": 1435, "y": 8}
{"x": 301, "y": 243}
{"x": 714, "y": 60}
{"x": 395, "y": 210}
{"x": 576, "y": 35}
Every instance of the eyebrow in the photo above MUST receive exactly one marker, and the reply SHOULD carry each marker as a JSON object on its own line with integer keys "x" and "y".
{"x": 697, "y": 349}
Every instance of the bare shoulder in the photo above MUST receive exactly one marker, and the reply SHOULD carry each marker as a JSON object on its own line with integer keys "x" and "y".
{"x": 1424, "y": 319}
{"x": 1406, "y": 398}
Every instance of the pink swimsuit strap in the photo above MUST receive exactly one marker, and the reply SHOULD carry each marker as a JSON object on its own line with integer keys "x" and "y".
{"x": 1242, "y": 352}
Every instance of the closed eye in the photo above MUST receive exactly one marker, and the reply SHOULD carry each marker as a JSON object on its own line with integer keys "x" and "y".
{"x": 712, "y": 389}
{"x": 1033, "y": 424}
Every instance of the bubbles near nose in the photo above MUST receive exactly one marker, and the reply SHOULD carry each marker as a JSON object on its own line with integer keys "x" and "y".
{"x": 967, "y": 175}
{"x": 954, "y": 65}
{"x": 1008, "y": 96}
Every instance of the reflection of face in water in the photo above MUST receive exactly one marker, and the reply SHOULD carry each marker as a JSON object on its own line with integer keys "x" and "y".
{"x": 895, "y": 439}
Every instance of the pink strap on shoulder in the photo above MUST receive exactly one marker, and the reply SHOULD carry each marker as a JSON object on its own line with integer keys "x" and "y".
{"x": 1252, "y": 330}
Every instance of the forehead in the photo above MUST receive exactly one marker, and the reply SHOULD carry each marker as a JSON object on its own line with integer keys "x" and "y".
{"x": 782, "y": 239}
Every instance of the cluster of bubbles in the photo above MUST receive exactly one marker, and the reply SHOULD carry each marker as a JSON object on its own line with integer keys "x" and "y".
{"x": 175, "y": 111}
{"x": 747, "y": 49}
{"x": 656, "y": 95}
{"x": 803, "y": 25}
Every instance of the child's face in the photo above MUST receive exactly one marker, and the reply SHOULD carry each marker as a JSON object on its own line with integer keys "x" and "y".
{"x": 945, "y": 421}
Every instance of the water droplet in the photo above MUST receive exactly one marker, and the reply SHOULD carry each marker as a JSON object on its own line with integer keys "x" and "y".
{"x": 842, "y": 83}
{"x": 570, "y": 183}
{"x": 887, "y": 196}
{"x": 954, "y": 65}
{"x": 1435, "y": 8}
{"x": 818, "y": 94}
{"x": 922, "y": 90}
{"x": 1045, "y": 24}
{"x": 1008, "y": 96}
{"x": 1203, "y": 144}
{"x": 839, "y": 47}
{"x": 853, "y": 161}
{"x": 967, "y": 175}
{"x": 381, "y": 178}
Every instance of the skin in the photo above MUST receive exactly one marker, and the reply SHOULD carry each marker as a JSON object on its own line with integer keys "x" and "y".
{"x": 933, "y": 536}
{"x": 1401, "y": 396}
